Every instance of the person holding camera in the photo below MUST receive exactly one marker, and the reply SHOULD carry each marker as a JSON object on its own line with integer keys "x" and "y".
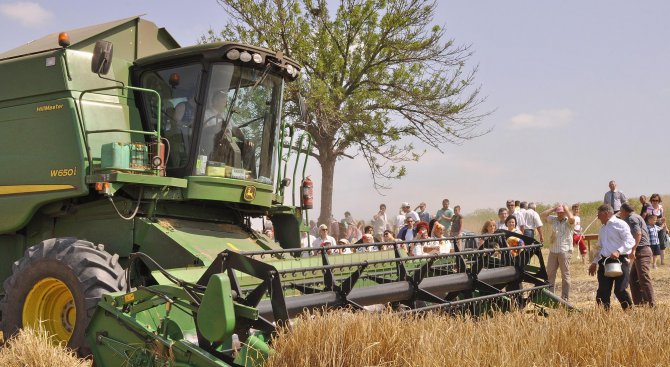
{"x": 380, "y": 223}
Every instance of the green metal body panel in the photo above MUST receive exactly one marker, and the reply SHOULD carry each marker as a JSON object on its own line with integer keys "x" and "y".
{"x": 127, "y": 178}
{"x": 177, "y": 243}
{"x": 38, "y": 168}
{"x": 225, "y": 189}
{"x": 216, "y": 316}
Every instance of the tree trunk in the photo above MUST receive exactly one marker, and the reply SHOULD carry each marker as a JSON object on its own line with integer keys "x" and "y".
{"x": 327, "y": 174}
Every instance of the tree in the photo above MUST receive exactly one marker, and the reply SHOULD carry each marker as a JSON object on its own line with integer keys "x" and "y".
{"x": 375, "y": 74}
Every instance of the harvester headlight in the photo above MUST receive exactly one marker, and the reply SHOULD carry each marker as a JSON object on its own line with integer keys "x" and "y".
{"x": 258, "y": 58}
{"x": 290, "y": 69}
{"x": 233, "y": 54}
{"x": 245, "y": 56}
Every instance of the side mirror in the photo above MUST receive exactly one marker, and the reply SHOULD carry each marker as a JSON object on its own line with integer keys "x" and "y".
{"x": 303, "y": 109}
{"x": 102, "y": 57}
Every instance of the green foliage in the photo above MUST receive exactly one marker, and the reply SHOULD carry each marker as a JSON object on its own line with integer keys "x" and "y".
{"x": 374, "y": 72}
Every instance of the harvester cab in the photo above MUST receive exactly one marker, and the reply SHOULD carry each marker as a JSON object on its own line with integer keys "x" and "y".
{"x": 132, "y": 169}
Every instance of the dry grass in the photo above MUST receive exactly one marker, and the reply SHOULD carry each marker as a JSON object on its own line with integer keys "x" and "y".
{"x": 590, "y": 338}
{"x": 34, "y": 348}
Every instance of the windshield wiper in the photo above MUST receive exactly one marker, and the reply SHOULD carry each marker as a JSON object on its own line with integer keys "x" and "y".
{"x": 232, "y": 104}
{"x": 262, "y": 78}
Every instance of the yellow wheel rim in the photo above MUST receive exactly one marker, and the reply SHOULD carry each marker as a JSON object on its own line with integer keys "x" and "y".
{"x": 50, "y": 303}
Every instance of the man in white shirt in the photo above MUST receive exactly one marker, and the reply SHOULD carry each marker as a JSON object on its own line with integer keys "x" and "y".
{"x": 560, "y": 248}
{"x": 306, "y": 240}
{"x": 323, "y": 239}
{"x": 533, "y": 221}
{"x": 502, "y": 215}
{"x": 616, "y": 243}
{"x": 380, "y": 223}
{"x": 404, "y": 212}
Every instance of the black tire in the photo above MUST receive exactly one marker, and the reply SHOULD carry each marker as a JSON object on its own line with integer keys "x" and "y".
{"x": 86, "y": 269}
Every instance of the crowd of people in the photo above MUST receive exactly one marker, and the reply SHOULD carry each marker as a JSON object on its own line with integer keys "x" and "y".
{"x": 635, "y": 241}
{"x": 407, "y": 225}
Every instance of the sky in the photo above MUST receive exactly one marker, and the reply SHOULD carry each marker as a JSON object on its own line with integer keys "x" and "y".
{"x": 578, "y": 93}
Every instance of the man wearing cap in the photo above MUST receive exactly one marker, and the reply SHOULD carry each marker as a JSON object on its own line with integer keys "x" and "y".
{"x": 323, "y": 239}
{"x": 406, "y": 209}
{"x": 614, "y": 197}
{"x": 404, "y": 212}
{"x": 344, "y": 242}
{"x": 560, "y": 252}
{"x": 616, "y": 243}
{"x": 444, "y": 215}
{"x": 640, "y": 257}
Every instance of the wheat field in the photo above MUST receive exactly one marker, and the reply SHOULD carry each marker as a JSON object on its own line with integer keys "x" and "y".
{"x": 592, "y": 337}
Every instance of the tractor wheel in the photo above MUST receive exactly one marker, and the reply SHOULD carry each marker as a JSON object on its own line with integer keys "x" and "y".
{"x": 58, "y": 283}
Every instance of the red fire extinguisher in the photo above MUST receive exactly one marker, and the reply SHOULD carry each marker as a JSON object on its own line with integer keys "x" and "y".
{"x": 307, "y": 193}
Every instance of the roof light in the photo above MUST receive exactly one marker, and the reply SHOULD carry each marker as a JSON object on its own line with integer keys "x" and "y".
{"x": 290, "y": 69}
{"x": 63, "y": 39}
{"x": 257, "y": 58}
{"x": 233, "y": 54}
{"x": 245, "y": 56}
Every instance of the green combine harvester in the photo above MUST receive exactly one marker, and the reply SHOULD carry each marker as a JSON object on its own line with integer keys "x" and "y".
{"x": 131, "y": 172}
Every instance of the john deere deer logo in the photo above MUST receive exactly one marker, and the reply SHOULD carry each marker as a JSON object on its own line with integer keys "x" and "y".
{"x": 250, "y": 193}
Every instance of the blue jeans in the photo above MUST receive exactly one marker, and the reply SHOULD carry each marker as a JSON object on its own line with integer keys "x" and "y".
{"x": 529, "y": 233}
